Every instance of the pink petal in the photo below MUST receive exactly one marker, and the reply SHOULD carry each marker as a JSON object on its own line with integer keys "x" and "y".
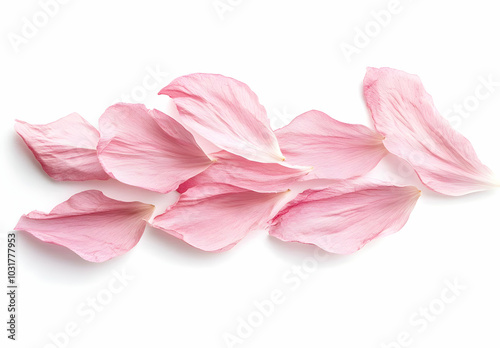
{"x": 335, "y": 149}
{"x": 147, "y": 148}
{"x": 66, "y": 148}
{"x": 95, "y": 227}
{"x": 405, "y": 114}
{"x": 238, "y": 171}
{"x": 216, "y": 217}
{"x": 343, "y": 219}
{"x": 227, "y": 113}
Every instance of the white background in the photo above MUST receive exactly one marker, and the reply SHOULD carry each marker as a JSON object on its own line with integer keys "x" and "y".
{"x": 90, "y": 53}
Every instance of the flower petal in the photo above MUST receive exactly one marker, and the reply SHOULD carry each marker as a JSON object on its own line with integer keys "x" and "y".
{"x": 238, "y": 171}
{"x": 344, "y": 218}
{"x": 95, "y": 227}
{"x": 337, "y": 150}
{"x": 227, "y": 113}
{"x": 66, "y": 148}
{"x": 405, "y": 114}
{"x": 216, "y": 217}
{"x": 147, "y": 148}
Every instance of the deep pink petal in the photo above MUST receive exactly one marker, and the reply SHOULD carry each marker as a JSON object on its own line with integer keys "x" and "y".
{"x": 414, "y": 130}
{"x": 335, "y": 149}
{"x": 95, "y": 227}
{"x": 342, "y": 219}
{"x": 66, "y": 148}
{"x": 216, "y": 217}
{"x": 147, "y": 148}
{"x": 256, "y": 176}
{"x": 227, "y": 113}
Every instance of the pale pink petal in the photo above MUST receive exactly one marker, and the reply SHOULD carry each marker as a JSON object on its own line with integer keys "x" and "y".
{"x": 147, "y": 148}
{"x": 342, "y": 219}
{"x": 335, "y": 149}
{"x": 414, "y": 130}
{"x": 66, "y": 148}
{"x": 256, "y": 176}
{"x": 216, "y": 217}
{"x": 227, "y": 113}
{"x": 95, "y": 227}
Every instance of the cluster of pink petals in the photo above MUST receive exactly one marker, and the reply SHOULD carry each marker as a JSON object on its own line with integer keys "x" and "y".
{"x": 236, "y": 175}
